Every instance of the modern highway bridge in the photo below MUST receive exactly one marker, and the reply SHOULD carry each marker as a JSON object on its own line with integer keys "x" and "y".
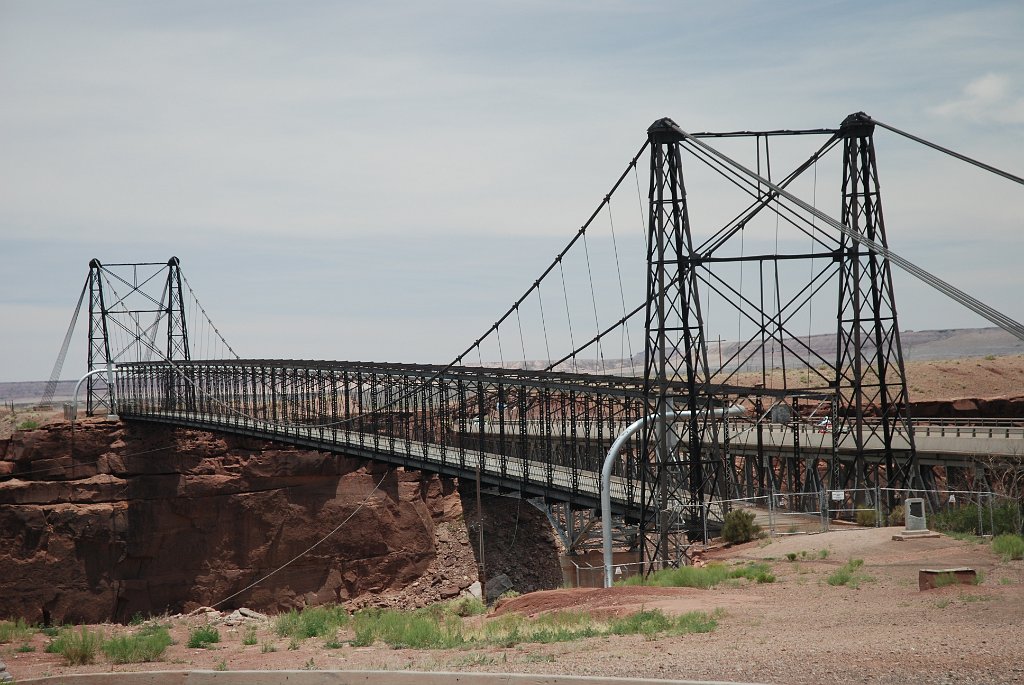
{"x": 541, "y": 429}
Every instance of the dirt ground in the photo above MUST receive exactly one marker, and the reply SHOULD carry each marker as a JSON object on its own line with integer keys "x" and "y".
{"x": 799, "y": 629}
{"x": 988, "y": 377}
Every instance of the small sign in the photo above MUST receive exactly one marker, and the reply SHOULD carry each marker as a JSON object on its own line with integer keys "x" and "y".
{"x": 618, "y": 570}
{"x": 838, "y": 495}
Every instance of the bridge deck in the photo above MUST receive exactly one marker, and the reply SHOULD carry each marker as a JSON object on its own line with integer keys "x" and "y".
{"x": 560, "y": 483}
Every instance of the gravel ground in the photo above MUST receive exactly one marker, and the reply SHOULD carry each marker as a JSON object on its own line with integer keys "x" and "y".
{"x": 799, "y": 629}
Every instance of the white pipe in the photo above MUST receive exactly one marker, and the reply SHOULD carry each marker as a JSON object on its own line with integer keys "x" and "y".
{"x": 606, "y": 476}
{"x": 109, "y": 370}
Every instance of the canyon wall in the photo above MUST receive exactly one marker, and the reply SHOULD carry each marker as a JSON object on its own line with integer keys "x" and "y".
{"x": 140, "y": 518}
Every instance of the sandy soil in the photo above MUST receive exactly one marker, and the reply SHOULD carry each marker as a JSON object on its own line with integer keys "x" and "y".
{"x": 799, "y": 629}
{"x": 947, "y": 379}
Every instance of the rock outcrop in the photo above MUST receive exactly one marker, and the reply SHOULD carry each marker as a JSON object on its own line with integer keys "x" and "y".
{"x": 145, "y": 519}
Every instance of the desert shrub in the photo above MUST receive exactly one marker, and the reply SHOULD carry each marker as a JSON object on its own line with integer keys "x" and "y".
{"x": 28, "y": 424}
{"x": 203, "y": 636}
{"x": 642, "y": 622}
{"x": 866, "y": 517}
{"x": 703, "y": 576}
{"x": 898, "y": 516}
{"x": 1008, "y": 545}
{"x": 321, "y": 621}
{"x": 791, "y": 556}
{"x": 847, "y": 574}
{"x": 148, "y": 644}
{"x": 417, "y": 629}
{"x": 964, "y": 519}
{"x": 739, "y": 526}
{"x": 77, "y": 647}
{"x": 695, "y": 622}
{"x": 956, "y": 520}
{"x": 1006, "y": 518}
{"x": 431, "y": 628}
{"x": 467, "y": 606}
{"x": 18, "y": 629}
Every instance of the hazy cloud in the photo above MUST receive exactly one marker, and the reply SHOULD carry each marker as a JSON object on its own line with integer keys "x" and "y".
{"x": 988, "y": 98}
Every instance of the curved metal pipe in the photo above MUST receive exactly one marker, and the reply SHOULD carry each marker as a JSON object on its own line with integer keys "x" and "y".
{"x": 109, "y": 370}
{"x": 606, "y": 476}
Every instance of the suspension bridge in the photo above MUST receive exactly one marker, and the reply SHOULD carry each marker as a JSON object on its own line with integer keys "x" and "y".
{"x": 614, "y": 330}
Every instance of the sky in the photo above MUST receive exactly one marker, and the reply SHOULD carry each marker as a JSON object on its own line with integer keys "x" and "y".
{"x": 380, "y": 181}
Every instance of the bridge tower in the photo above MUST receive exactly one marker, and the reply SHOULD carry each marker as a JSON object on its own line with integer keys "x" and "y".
{"x": 98, "y": 391}
{"x": 870, "y": 371}
{"x": 111, "y": 320}
{"x": 683, "y": 463}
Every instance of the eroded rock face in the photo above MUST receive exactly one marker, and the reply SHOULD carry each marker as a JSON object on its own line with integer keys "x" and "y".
{"x": 143, "y": 518}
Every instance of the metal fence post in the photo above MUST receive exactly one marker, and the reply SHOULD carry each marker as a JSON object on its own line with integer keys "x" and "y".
{"x": 991, "y": 513}
{"x": 981, "y": 518}
{"x": 878, "y": 506}
{"x": 823, "y": 508}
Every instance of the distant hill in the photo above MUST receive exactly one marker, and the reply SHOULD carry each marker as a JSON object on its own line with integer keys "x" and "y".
{"x": 30, "y": 392}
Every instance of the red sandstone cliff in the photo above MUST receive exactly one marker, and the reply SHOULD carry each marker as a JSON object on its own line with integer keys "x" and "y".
{"x": 149, "y": 519}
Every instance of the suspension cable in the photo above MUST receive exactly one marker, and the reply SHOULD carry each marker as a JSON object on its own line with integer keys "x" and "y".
{"x": 963, "y": 158}
{"x": 58, "y": 365}
{"x": 207, "y": 316}
{"x": 558, "y": 259}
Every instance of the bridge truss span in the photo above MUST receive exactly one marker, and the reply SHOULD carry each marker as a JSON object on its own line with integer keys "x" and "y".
{"x": 537, "y": 434}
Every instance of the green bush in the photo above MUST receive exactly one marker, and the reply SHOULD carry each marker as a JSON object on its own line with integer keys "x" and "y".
{"x": 77, "y": 648}
{"x": 1004, "y": 518}
{"x": 147, "y": 644}
{"x": 898, "y": 516}
{"x": 1009, "y": 546}
{"x": 418, "y": 629}
{"x": 739, "y": 526}
{"x": 202, "y": 637}
{"x": 28, "y": 424}
{"x": 703, "y": 576}
{"x": 467, "y": 606}
{"x": 321, "y": 621}
{"x": 18, "y": 629}
{"x": 866, "y": 517}
{"x": 437, "y": 628}
{"x": 847, "y": 574}
{"x": 250, "y": 636}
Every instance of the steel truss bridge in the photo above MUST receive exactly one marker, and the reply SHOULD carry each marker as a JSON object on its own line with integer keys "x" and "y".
{"x": 541, "y": 430}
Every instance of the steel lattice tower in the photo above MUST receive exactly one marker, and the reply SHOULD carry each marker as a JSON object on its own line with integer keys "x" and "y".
{"x": 98, "y": 392}
{"x": 102, "y": 315}
{"x": 682, "y": 456}
{"x": 870, "y": 372}
{"x": 177, "y": 331}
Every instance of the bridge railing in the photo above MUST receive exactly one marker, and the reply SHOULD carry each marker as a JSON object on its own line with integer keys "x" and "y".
{"x": 545, "y": 433}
